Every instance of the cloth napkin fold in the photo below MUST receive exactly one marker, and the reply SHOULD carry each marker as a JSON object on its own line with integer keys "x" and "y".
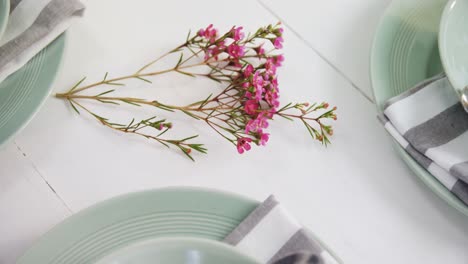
{"x": 32, "y": 25}
{"x": 271, "y": 235}
{"x": 429, "y": 122}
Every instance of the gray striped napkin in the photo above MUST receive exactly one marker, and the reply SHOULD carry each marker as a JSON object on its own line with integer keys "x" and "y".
{"x": 32, "y": 25}
{"x": 429, "y": 122}
{"x": 271, "y": 235}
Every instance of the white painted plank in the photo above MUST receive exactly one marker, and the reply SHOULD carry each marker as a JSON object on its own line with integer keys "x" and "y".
{"x": 28, "y": 207}
{"x": 340, "y": 30}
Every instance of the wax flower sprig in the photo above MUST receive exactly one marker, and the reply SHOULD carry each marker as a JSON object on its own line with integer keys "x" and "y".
{"x": 240, "y": 112}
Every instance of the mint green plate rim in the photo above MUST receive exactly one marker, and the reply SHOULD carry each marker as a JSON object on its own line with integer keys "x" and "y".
{"x": 379, "y": 60}
{"x": 198, "y": 244}
{"x": 4, "y": 15}
{"x": 24, "y": 92}
{"x": 120, "y": 221}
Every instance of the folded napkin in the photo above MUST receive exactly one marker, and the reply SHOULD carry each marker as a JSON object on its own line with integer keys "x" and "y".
{"x": 429, "y": 122}
{"x": 270, "y": 235}
{"x": 32, "y": 25}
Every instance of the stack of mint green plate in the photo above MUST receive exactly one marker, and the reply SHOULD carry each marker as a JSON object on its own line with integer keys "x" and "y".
{"x": 125, "y": 224}
{"x": 405, "y": 52}
{"x": 22, "y": 93}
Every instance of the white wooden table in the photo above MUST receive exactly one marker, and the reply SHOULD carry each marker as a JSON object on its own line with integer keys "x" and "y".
{"x": 357, "y": 195}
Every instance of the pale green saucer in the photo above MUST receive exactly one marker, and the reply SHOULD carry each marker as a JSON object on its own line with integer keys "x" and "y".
{"x": 453, "y": 42}
{"x": 4, "y": 15}
{"x": 122, "y": 221}
{"x": 22, "y": 93}
{"x": 178, "y": 251}
{"x": 405, "y": 52}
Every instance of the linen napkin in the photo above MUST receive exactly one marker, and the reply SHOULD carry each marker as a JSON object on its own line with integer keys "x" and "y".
{"x": 32, "y": 25}
{"x": 271, "y": 235}
{"x": 429, "y": 122}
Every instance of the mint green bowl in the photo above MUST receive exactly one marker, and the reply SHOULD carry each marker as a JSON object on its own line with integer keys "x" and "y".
{"x": 405, "y": 51}
{"x": 453, "y": 42}
{"x": 178, "y": 251}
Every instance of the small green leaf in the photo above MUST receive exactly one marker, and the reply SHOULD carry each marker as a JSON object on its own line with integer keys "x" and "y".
{"x": 78, "y": 84}
{"x": 180, "y": 60}
{"x": 74, "y": 107}
{"x": 190, "y": 114}
{"x": 162, "y": 133}
{"x": 130, "y": 124}
{"x": 186, "y": 153}
{"x": 128, "y": 102}
{"x": 285, "y": 117}
{"x": 213, "y": 78}
{"x": 143, "y": 79}
{"x": 189, "y": 138}
{"x": 105, "y": 77}
{"x": 106, "y": 92}
{"x": 108, "y": 102}
{"x": 175, "y": 50}
{"x": 116, "y": 84}
{"x": 188, "y": 35}
{"x": 284, "y": 107}
{"x": 186, "y": 73}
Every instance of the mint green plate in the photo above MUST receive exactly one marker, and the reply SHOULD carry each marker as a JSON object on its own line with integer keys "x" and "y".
{"x": 453, "y": 42}
{"x": 122, "y": 221}
{"x": 178, "y": 251}
{"x": 4, "y": 14}
{"x": 22, "y": 93}
{"x": 405, "y": 52}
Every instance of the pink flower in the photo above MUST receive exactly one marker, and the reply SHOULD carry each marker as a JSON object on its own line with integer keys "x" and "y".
{"x": 278, "y": 43}
{"x": 264, "y": 137}
{"x": 274, "y": 84}
{"x": 262, "y": 122}
{"x": 214, "y": 51}
{"x": 248, "y": 70}
{"x": 250, "y": 107}
{"x": 272, "y": 99}
{"x": 237, "y": 33}
{"x": 235, "y": 50}
{"x": 255, "y": 125}
{"x": 243, "y": 144}
{"x": 260, "y": 50}
{"x": 279, "y": 32}
{"x": 251, "y": 126}
{"x": 258, "y": 93}
{"x": 278, "y": 60}
{"x": 269, "y": 113}
{"x": 258, "y": 82}
{"x": 270, "y": 66}
{"x": 209, "y": 33}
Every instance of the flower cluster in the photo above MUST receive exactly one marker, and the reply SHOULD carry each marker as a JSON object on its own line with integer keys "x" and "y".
{"x": 248, "y": 66}
{"x": 256, "y": 78}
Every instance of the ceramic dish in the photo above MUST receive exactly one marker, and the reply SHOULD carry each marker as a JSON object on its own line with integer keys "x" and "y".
{"x": 453, "y": 43}
{"x": 178, "y": 251}
{"x": 4, "y": 14}
{"x": 22, "y": 93}
{"x": 119, "y": 222}
{"x": 405, "y": 52}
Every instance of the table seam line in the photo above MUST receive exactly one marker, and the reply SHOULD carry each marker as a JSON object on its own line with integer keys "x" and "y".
{"x": 36, "y": 170}
{"x": 308, "y": 44}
